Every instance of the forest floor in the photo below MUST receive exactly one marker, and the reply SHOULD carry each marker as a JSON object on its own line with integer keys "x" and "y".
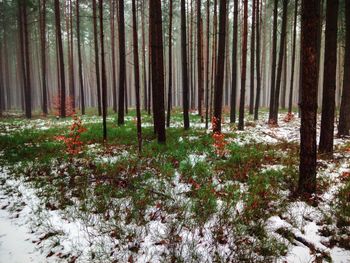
{"x": 179, "y": 202}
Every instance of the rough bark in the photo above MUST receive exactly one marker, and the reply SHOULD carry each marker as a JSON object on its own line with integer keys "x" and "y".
{"x": 199, "y": 60}
{"x": 80, "y": 67}
{"x": 329, "y": 79}
{"x": 114, "y": 77}
{"x": 252, "y": 61}
{"x": 258, "y": 74}
{"x": 122, "y": 64}
{"x": 234, "y": 64}
{"x": 42, "y": 15}
{"x": 97, "y": 61}
{"x": 170, "y": 80}
{"x": 103, "y": 74}
{"x": 308, "y": 106}
{"x": 207, "y": 68}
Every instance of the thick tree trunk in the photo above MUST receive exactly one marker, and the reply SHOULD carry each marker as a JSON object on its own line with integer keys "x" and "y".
{"x": 329, "y": 79}
{"x": 170, "y": 80}
{"x": 258, "y": 74}
{"x": 157, "y": 67}
{"x": 219, "y": 82}
{"x": 42, "y": 10}
{"x": 308, "y": 154}
{"x": 122, "y": 65}
{"x": 234, "y": 64}
{"x": 290, "y": 102}
{"x": 344, "y": 117}
{"x": 185, "y": 89}
{"x": 280, "y": 64}
{"x": 252, "y": 61}
{"x": 97, "y": 61}
{"x": 273, "y": 63}
{"x": 244, "y": 66}
{"x": 80, "y": 69}
{"x": 103, "y": 74}
{"x": 137, "y": 76}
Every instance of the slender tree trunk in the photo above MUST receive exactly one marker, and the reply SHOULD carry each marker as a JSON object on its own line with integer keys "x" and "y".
{"x": 114, "y": 78}
{"x": 252, "y": 61}
{"x": 80, "y": 69}
{"x": 97, "y": 61}
{"x": 157, "y": 67}
{"x": 144, "y": 75}
{"x": 220, "y": 67}
{"x": 207, "y": 68}
{"x": 344, "y": 117}
{"x": 280, "y": 63}
{"x": 122, "y": 64}
{"x": 234, "y": 64}
{"x": 71, "y": 57}
{"x": 103, "y": 74}
{"x": 290, "y": 103}
{"x": 329, "y": 79}
{"x": 137, "y": 76}
{"x": 258, "y": 74}
{"x": 185, "y": 89}
{"x": 170, "y": 83}
{"x": 42, "y": 10}
{"x": 284, "y": 84}
{"x": 213, "y": 70}
{"x": 273, "y": 63}
{"x": 308, "y": 153}
{"x": 244, "y": 66}
{"x": 200, "y": 60}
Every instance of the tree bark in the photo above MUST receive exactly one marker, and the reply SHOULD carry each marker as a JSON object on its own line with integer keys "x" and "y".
{"x": 170, "y": 80}
{"x": 103, "y": 74}
{"x": 185, "y": 89}
{"x": 122, "y": 65}
{"x": 207, "y": 68}
{"x": 114, "y": 78}
{"x": 234, "y": 64}
{"x": 80, "y": 68}
{"x": 290, "y": 102}
{"x": 329, "y": 79}
{"x": 199, "y": 60}
{"x": 244, "y": 67}
{"x": 157, "y": 67}
{"x": 252, "y": 61}
{"x": 344, "y": 117}
{"x": 42, "y": 15}
{"x": 220, "y": 67}
{"x": 308, "y": 154}
{"x": 97, "y": 61}
{"x": 258, "y": 74}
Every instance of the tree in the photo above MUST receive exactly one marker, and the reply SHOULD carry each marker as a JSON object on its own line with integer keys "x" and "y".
{"x": 156, "y": 33}
{"x": 308, "y": 106}
{"x": 185, "y": 90}
{"x": 80, "y": 68}
{"x": 114, "y": 78}
{"x": 329, "y": 82}
{"x": 219, "y": 82}
{"x": 234, "y": 64}
{"x": 103, "y": 74}
{"x": 290, "y": 102}
{"x": 144, "y": 75}
{"x": 70, "y": 55}
{"x": 252, "y": 61}
{"x": 122, "y": 65}
{"x": 244, "y": 66}
{"x": 276, "y": 99}
{"x": 170, "y": 81}
{"x": 273, "y": 64}
{"x": 258, "y": 76}
{"x": 137, "y": 75}
{"x": 97, "y": 62}
{"x": 344, "y": 115}
{"x": 42, "y": 19}
{"x": 207, "y": 68}
{"x": 199, "y": 60}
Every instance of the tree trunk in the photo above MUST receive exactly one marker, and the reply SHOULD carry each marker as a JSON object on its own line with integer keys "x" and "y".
{"x": 244, "y": 67}
{"x": 144, "y": 75}
{"x": 258, "y": 74}
{"x": 42, "y": 15}
{"x": 114, "y": 78}
{"x": 137, "y": 76}
{"x": 290, "y": 103}
{"x": 185, "y": 89}
{"x": 156, "y": 33}
{"x": 344, "y": 117}
{"x": 103, "y": 74}
{"x": 80, "y": 70}
{"x": 274, "y": 118}
{"x": 200, "y": 60}
{"x": 207, "y": 67}
{"x": 71, "y": 57}
{"x": 219, "y": 82}
{"x": 213, "y": 71}
{"x": 97, "y": 62}
{"x": 170, "y": 83}
{"x": 234, "y": 64}
{"x": 273, "y": 64}
{"x": 308, "y": 106}
{"x": 122, "y": 65}
{"x": 329, "y": 79}
{"x": 252, "y": 61}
